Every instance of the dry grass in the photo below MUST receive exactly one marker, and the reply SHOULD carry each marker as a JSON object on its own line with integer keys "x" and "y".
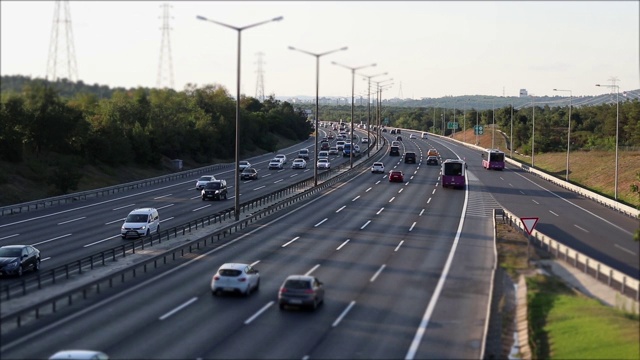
{"x": 591, "y": 169}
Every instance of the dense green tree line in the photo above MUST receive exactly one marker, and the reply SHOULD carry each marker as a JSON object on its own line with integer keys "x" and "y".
{"x": 592, "y": 127}
{"x": 141, "y": 125}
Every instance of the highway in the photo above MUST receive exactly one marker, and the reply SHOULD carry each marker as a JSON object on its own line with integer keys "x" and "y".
{"x": 407, "y": 266}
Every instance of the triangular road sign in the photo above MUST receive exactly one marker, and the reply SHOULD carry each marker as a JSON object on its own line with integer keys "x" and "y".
{"x": 529, "y": 223}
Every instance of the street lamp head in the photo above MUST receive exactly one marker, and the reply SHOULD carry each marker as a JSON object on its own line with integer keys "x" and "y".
{"x": 201, "y": 18}
{"x": 343, "y": 48}
{"x": 292, "y": 48}
{"x": 597, "y": 84}
{"x": 278, "y": 18}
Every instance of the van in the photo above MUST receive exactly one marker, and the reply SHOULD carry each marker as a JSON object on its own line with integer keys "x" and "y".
{"x": 424, "y": 135}
{"x": 340, "y": 145}
{"x": 140, "y": 222}
{"x": 303, "y": 154}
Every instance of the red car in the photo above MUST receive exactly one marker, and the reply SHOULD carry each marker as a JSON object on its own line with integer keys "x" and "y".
{"x": 396, "y": 175}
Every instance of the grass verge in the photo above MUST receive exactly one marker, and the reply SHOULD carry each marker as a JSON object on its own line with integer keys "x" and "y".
{"x": 563, "y": 323}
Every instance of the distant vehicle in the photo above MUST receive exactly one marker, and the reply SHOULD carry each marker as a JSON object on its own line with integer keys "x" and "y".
{"x": 249, "y": 174}
{"x": 235, "y": 277}
{"x": 16, "y": 259}
{"x": 243, "y": 165}
{"x": 282, "y": 157}
{"x": 331, "y": 137}
{"x": 301, "y": 290}
{"x": 394, "y": 151}
{"x": 377, "y": 167}
{"x": 340, "y": 145}
{"x": 323, "y": 155}
{"x": 303, "y": 154}
{"x": 493, "y": 159}
{"x": 395, "y": 143}
{"x": 409, "y": 157}
{"x": 432, "y": 152}
{"x": 333, "y": 151}
{"x": 396, "y": 176}
{"x": 346, "y": 150}
{"x": 203, "y": 180}
{"x": 141, "y": 222}
{"x": 216, "y": 190}
{"x": 432, "y": 160}
{"x": 398, "y": 131}
{"x": 79, "y": 355}
{"x": 412, "y": 136}
{"x": 275, "y": 164}
{"x": 323, "y": 164}
{"x": 424, "y": 135}
{"x": 399, "y": 138}
{"x": 324, "y": 146}
{"x": 393, "y": 131}
{"x": 299, "y": 164}
{"x": 453, "y": 173}
{"x": 365, "y": 140}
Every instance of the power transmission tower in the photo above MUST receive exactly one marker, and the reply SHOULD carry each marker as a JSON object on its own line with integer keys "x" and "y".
{"x": 260, "y": 78}
{"x": 61, "y": 64}
{"x": 400, "y": 95}
{"x": 165, "y": 65}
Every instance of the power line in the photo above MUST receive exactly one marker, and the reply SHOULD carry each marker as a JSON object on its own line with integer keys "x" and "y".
{"x": 165, "y": 65}
{"x": 61, "y": 64}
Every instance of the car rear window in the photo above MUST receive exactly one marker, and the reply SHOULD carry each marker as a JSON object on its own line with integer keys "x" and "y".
{"x": 229, "y": 272}
{"x": 297, "y": 284}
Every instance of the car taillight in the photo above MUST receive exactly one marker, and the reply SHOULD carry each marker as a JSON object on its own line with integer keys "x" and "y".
{"x": 242, "y": 279}
{"x": 283, "y": 290}
{"x": 216, "y": 277}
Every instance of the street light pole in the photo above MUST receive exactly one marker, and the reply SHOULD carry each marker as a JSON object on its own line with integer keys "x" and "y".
{"x": 615, "y": 191}
{"x": 378, "y": 111}
{"x": 533, "y": 130}
{"x": 569, "y": 132}
{"x": 353, "y": 88}
{"x": 493, "y": 128}
{"x": 511, "y": 136}
{"x": 317, "y": 115}
{"x": 237, "y": 147}
{"x": 369, "y": 107}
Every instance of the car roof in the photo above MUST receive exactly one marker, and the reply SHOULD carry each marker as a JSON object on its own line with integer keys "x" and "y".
{"x": 79, "y": 354}
{"x": 300, "y": 277}
{"x": 14, "y": 246}
{"x": 234, "y": 266}
{"x": 142, "y": 211}
{"x": 378, "y": 163}
{"x": 396, "y": 171}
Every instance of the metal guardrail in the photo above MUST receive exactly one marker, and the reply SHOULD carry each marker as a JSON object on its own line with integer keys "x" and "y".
{"x": 51, "y": 305}
{"x": 625, "y": 284}
{"x": 96, "y": 193}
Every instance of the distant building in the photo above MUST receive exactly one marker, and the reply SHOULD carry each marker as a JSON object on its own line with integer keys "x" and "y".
{"x": 523, "y": 93}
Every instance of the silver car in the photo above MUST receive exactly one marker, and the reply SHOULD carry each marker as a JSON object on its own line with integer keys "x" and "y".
{"x": 275, "y": 164}
{"x": 301, "y": 290}
{"x": 203, "y": 181}
{"x": 299, "y": 164}
{"x": 235, "y": 277}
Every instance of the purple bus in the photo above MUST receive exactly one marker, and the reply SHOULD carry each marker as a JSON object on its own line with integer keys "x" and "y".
{"x": 453, "y": 173}
{"x": 493, "y": 159}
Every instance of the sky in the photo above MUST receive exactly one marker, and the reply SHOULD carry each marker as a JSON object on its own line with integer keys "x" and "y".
{"x": 428, "y": 49}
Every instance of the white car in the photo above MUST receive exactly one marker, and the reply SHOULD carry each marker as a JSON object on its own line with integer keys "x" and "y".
{"x": 340, "y": 145}
{"x": 412, "y": 136}
{"x": 79, "y": 355}
{"x": 299, "y": 164}
{"x": 323, "y": 155}
{"x": 243, "y": 165}
{"x": 333, "y": 151}
{"x": 200, "y": 183}
{"x": 235, "y": 277}
{"x": 282, "y": 158}
{"x": 275, "y": 164}
{"x": 365, "y": 140}
{"x": 323, "y": 164}
{"x": 377, "y": 167}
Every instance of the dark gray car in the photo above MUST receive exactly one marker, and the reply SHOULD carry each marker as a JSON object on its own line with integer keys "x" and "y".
{"x": 15, "y": 259}
{"x": 301, "y": 290}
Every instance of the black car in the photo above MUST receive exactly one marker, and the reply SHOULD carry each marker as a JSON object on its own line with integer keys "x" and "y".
{"x": 249, "y": 174}
{"x": 409, "y": 157}
{"x": 15, "y": 259}
{"x": 215, "y": 190}
{"x": 432, "y": 160}
{"x": 399, "y": 138}
{"x": 394, "y": 151}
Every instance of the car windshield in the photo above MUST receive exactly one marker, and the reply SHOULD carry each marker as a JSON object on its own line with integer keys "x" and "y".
{"x": 229, "y": 272}
{"x": 213, "y": 185}
{"x": 10, "y": 252}
{"x": 205, "y": 178}
{"x": 137, "y": 218}
{"x": 297, "y": 284}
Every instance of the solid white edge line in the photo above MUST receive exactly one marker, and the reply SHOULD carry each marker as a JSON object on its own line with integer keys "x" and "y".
{"x": 415, "y": 343}
{"x": 343, "y": 244}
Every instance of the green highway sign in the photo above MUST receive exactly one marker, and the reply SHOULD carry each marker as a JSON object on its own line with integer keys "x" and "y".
{"x": 452, "y": 125}
{"x": 478, "y": 130}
